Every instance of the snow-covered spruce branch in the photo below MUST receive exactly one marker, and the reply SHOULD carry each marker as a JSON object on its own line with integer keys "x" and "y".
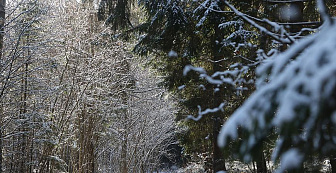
{"x": 296, "y": 90}
{"x": 282, "y": 36}
{"x": 277, "y": 27}
{"x": 232, "y": 79}
{"x": 206, "y": 111}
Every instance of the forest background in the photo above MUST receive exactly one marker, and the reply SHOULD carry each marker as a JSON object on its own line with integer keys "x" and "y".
{"x": 146, "y": 86}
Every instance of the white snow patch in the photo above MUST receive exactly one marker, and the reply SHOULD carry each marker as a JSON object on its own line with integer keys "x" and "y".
{"x": 181, "y": 87}
{"x": 172, "y": 54}
{"x": 289, "y": 12}
{"x": 290, "y": 159}
{"x": 189, "y": 68}
{"x": 333, "y": 117}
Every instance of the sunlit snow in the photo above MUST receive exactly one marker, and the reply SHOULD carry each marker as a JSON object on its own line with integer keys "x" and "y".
{"x": 291, "y": 89}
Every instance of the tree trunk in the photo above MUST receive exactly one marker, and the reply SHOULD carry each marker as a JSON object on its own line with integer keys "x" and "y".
{"x": 218, "y": 156}
{"x": 2, "y": 21}
{"x": 123, "y": 159}
{"x": 124, "y": 155}
{"x": 333, "y": 163}
{"x": 261, "y": 163}
{"x": 81, "y": 142}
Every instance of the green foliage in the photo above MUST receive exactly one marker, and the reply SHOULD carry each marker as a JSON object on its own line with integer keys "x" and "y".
{"x": 203, "y": 37}
{"x": 115, "y": 13}
{"x": 208, "y": 34}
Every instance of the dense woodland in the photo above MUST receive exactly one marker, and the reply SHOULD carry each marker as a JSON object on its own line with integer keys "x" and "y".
{"x": 124, "y": 86}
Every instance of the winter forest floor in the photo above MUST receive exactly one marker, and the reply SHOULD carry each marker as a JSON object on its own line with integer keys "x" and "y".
{"x": 239, "y": 167}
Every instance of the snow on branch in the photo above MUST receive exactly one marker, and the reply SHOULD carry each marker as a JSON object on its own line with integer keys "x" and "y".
{"x": 206, "y": 111}
{"x": 231, "y": 77}
{"x": 189, "y": 68}
{"x": 321, "y": 5}
{"x": 277, "y": 27}
{"x": 296, "y": 90}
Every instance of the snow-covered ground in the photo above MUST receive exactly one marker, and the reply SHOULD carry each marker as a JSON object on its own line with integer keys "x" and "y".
{"x": 239, "y": 167}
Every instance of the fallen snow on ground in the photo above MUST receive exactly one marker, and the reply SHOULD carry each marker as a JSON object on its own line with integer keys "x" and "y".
{"x": 238, "y": 167}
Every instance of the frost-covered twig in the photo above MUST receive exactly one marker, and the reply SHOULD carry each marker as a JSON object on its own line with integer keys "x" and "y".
{"x": 287, "y": 40}
{"x": 206, "y": 111}
{"x": 222, "y": 79}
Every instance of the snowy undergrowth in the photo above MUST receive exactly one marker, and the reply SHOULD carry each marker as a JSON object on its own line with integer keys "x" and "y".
{"x": 240, "y": 167}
